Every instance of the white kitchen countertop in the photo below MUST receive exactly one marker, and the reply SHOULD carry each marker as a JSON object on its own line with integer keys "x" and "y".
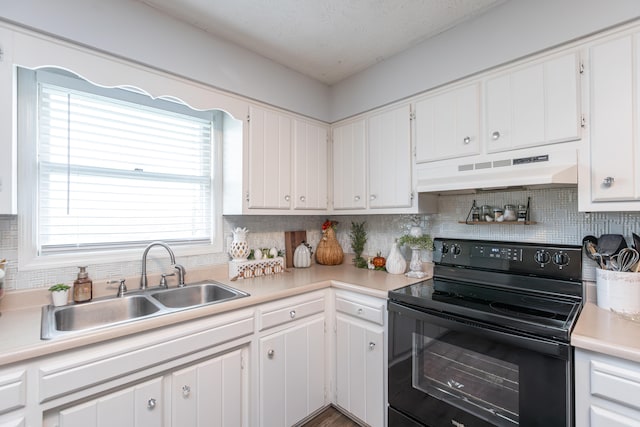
{"x": 21, "y": 310}
{"x": 606, "y": 332}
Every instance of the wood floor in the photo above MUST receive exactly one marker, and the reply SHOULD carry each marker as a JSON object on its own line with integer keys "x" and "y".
{"x": 330, "y": 417}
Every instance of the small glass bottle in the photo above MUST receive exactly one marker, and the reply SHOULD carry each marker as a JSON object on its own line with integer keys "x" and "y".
{"x": 475, "y": 214}
{"x": 498, "y": 215}
{"x": 485, "y": 213}
{"x": 510, "y": 213}
{"x": 522, "y": 213}
{"x": 82, "y": 286}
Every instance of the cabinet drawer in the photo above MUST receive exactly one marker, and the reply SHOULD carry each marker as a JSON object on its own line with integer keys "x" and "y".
{"x": 615, "y": 383}
{"x": 291, "y": 312}
{"x": 12, "y": 391}
{"x": 370, "y": 313}
{"x": 601, "y": 417}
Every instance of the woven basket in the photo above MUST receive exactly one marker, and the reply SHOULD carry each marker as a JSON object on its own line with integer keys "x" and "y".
{"x": 329, "y": 251}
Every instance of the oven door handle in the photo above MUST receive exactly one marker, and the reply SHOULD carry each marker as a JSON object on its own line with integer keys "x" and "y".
{"x": 538, "y": 345}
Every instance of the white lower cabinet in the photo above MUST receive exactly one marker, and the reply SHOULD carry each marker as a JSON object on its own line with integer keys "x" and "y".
{"x": 360, "y": 374}
{"x": 292, "y": 361}
{"x": 137, "y": 406}
{"x": 206, "y": 394}
{"x": 211, "y": 393}
{"x": 607, "y": 391}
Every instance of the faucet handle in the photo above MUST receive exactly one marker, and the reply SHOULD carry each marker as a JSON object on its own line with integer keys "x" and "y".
{"x": 122, "y": 288}
{"x": 163, "y": 279}
{"x": 181, "y": 273}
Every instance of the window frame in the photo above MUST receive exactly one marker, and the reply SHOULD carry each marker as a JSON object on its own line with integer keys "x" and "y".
{"x": 29, "y": 258}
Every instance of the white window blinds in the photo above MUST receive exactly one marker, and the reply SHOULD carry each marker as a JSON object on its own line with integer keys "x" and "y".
{"x": 112, "y": 172}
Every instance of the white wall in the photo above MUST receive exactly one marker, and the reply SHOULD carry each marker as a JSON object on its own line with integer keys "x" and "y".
{"x": 513, "y": 30}
{"x": 134, "y": 31}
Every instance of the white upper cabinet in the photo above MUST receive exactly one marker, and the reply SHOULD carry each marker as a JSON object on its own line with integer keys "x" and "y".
{"x": 310, "y": 166}
{"x": 8, "y": 192}
{"x": 286, "y": 165}
{"x": 269, "y": 159}
{"x": 373, "y": 166}
{"x": 448, "y": 124}
{"x": 389, "y": 155}
{"x": 349, "y": 166}
{"x": 535, "y": 104}
{"x": 608, "y": 169}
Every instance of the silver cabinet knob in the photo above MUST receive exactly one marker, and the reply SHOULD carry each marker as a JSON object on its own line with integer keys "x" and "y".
{"x": 466, "y": 140}
{"x": 495, "y": 135}
{"x": 270, "y": 354}
{"x": 186, "y": 391}
{"x": 360, "y": 311}
{"x": 356, "y": 198}
{"x": 608, "y": 181}
{"x": 292, "y": 313}
{"x": 287, "y": 198}
{"x": 302, "y": 198}
{"x": 372, "y": 197}
{"x": 151, "y": 403}
{"x": 372, "y": 345}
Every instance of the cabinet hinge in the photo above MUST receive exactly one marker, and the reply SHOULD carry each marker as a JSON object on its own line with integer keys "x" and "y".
{"x": 412, "y": 115}
{"x": 583, "y": 121}
{"x": 582, "y": 68}
{"x": 248, "y": 117}
{"x": 1, "y": 54}
{"x": 247, "y": 197}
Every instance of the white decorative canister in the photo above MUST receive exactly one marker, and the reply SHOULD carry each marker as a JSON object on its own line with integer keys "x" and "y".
{"x": 396, "y": 264}
{"x": 239, "y": 248}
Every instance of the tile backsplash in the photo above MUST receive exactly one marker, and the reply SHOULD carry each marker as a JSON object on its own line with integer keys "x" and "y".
{"x": 555, "y": 212}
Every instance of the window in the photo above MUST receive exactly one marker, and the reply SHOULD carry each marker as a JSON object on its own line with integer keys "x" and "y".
{"x": 115, "y": 168}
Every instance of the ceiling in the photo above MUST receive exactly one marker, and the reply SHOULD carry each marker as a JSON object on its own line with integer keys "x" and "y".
{"x": 328, "y": 40}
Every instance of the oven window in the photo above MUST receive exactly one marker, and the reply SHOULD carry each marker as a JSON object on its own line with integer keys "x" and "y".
{"x": 462, "y": 373}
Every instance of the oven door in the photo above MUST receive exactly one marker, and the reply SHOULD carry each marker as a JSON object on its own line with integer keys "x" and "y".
{"x": 445, "y": 370}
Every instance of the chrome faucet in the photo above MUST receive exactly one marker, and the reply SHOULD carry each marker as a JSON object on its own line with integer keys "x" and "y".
{"x": 180, "y": 269}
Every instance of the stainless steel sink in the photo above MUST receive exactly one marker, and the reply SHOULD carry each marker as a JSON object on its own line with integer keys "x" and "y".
{"x": 110, "y": 311}
{"x": 196, "y": 295}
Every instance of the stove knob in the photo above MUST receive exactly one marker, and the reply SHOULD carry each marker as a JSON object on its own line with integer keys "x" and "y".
{"x": 445, "y": 248}
{"x": 561, "y": 259}
{"x": 455, "y": 250}
{"x": 542, "y": 257}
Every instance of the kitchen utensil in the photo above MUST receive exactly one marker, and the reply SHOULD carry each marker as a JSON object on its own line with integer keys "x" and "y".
{"x": 589, "y": 244}
{"x": 610, "y": 244}
{"x": 625, "y": 259}
{"x": 636, "y": 241}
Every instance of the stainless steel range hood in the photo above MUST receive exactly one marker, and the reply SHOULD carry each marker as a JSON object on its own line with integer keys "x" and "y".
{"x": 550, "y": 168}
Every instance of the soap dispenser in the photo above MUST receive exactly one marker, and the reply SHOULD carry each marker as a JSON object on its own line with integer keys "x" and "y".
{"x": 82, "y": 286}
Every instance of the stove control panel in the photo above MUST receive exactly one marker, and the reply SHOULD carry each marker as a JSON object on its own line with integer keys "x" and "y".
{"x": 561, "y": 261}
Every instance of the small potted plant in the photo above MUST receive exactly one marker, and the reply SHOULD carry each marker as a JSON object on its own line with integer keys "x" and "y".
{"x": 60, "y": 294}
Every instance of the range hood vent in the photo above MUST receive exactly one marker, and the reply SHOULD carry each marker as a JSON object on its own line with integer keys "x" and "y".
{"x": 549, "y": 169}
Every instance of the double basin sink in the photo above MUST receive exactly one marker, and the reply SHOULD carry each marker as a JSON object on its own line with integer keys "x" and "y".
{"x": 110, "y": 311}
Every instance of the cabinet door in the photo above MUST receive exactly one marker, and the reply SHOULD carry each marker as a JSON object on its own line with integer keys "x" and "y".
{"x": 310, "y": 177}
{"x": 349, "y": 170}
{"x": 292, "y": 374}
{"x": 137, "y": 406}
{"x": 269, "y": 159}
{"x": 448, "y": 125}
{"x": 389, "y": 153}
{"x": 612, "y": 100}
{"x": 535, "y": 105}
{"x": 360, "y": 369}
{"x": 209, "y": 394}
